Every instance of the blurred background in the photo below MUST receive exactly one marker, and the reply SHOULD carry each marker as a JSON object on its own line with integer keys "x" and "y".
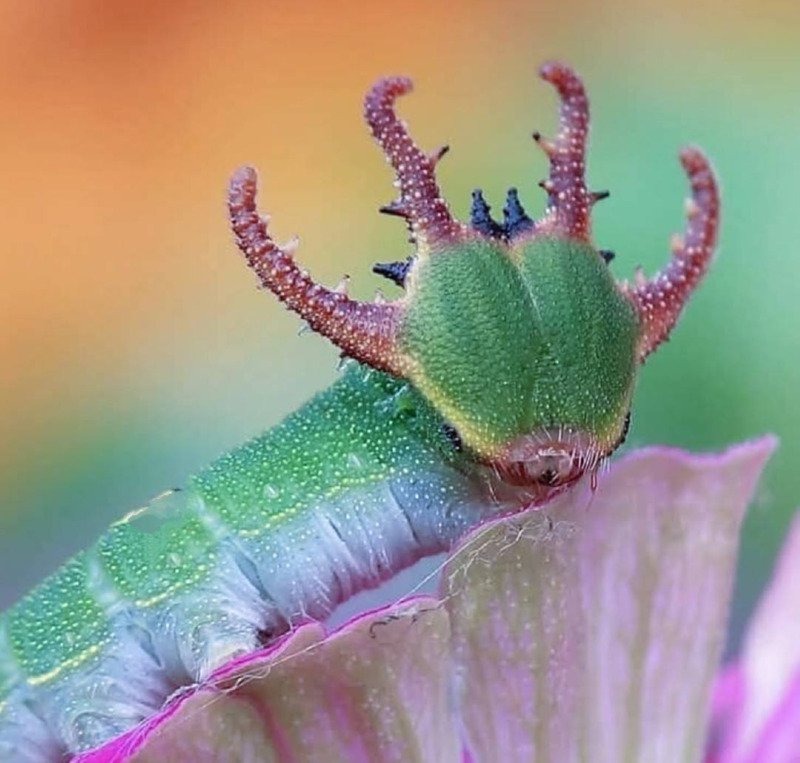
{"x": 134, "y": 346}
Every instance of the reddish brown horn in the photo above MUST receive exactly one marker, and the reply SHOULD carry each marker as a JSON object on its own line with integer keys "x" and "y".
{"x": 420, "y": 201}
{"x": 362, "y": 330}
{"x": 569, "y": 202}
{"x": 659, "y": 301}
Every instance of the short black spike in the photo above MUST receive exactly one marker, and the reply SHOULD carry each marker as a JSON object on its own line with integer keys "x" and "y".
{"x": 516, "y": 220}
{"x": 606, "y": 254}
{"x": 437, "y": 155}
{"x": 599, "y": 196}
{"x": 394, "y": 271}
{"x": 394, "y": 208}
{"x": 480, "y": 216}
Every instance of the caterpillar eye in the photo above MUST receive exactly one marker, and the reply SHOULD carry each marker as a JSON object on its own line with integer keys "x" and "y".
{"x": 453, "y": 437}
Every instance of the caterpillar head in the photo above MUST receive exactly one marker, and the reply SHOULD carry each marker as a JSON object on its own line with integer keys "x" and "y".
{"x": 514, "y": 330}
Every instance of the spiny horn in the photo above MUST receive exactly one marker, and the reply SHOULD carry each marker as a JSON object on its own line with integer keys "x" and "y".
{"x": 420, "y": 200}
{"x": 568, "y": 202}
{"x": 362, "y": 330}
{"x": 659, "y": 301}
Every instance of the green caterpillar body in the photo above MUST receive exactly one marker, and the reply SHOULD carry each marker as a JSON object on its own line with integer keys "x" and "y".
{"x": 502, "y": 376}
{"x": 356, "y": 485}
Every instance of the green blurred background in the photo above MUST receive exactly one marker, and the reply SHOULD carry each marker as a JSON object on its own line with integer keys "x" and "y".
{"x": 134, "y": 346}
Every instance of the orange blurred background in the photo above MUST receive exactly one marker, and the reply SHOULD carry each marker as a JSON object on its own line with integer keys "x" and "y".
{"x": 134, "y": 346}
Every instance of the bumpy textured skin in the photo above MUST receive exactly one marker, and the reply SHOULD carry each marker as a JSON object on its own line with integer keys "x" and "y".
{"x": 502, "y": 375}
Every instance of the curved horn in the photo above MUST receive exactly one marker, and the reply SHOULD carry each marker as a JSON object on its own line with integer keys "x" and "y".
{"x": 568, "y": 202}
{"x": 363, "y": 330}
{"x": 420, "y": 201}
{"x": 659, "y": 301}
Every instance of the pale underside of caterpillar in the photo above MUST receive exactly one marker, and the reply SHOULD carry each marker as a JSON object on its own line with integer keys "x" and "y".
{"x": 501, "y": 377}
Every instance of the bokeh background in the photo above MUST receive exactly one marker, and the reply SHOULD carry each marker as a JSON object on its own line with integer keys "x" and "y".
{"x": 134, "y": 346}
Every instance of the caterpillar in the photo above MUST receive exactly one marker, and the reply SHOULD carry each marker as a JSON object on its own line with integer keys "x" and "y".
{"x": 502, "y": 375}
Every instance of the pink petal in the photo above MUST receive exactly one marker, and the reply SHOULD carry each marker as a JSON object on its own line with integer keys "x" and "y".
{"x": 597, "y": 637}
{"x": 764, "y": 726}
{"x": 594, "y": 639}
{"x": 780, "y": 737}
{"x": 376, "y": 690}
{"x": 726, "y": 700}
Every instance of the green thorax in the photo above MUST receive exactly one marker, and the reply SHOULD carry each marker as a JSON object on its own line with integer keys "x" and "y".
{"x": 511, "y": 341}
{"x": 361, "y": 430}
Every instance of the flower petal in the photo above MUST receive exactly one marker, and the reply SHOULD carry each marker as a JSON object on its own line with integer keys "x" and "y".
{"x": 764, "y": 725}
{"x": 592, "y": 631}
{"x": 376, "y": 690}
{"x": 587, "y": 632}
